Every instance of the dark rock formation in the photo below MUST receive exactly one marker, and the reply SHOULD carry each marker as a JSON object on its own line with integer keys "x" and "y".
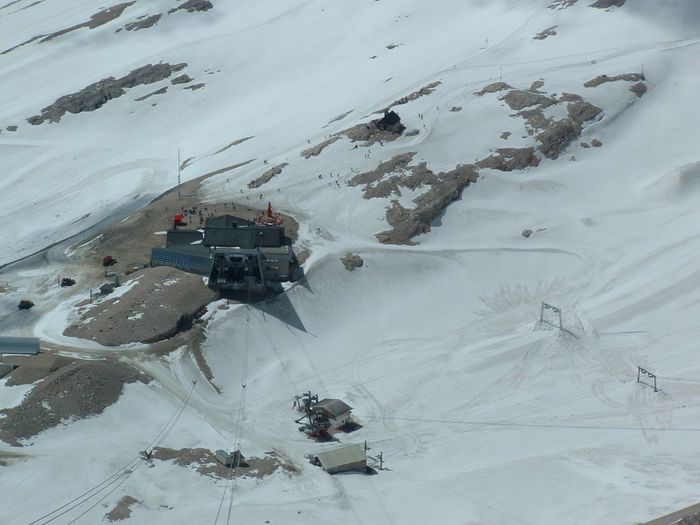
{"x": 192, "y": 5}
{"x": 509, "y": 159}
{"x": 602, "y": 79}
{"x": 607, "y": 4}
{"x": 99, "y": 93}
{"x": 145, "y": 23}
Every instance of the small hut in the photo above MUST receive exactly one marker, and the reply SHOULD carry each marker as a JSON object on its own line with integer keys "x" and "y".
{"x": 390, "y": 122}
{"x": 347, "y": 458}
{"x": 336, "y": 411}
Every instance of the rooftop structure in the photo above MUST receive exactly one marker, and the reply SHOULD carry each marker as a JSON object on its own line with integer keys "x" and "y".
{"x": 346, "y": 458}
{"x": 235, "y": 254}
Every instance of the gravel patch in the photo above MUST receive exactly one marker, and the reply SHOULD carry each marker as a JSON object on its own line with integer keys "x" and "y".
{"x": 163, "y": 302}
{"x": 78, "y": 390}
{"x": 204, "y": 462}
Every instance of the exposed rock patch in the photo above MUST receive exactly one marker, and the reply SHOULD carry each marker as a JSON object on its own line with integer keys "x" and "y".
{"x": 607, "y": 4}
{"x": 340, "y": 117}
{"x": 596, "y": 143}
{"x": 639, "y": 89}
{"x": 98, "y": 19}
{"x": 99, "y": 93}
{"x": 396, "y": 163}
{"x": 582, "y": 111}
{"x": 352, "y": 261}
{"x": 122, "y": 510}
{"x": 193, "y": 5}
{"x": 557, "y": 137}
{"x": 144, "y": 23}
{"x": 545, "y": 33}
{"x": 505, "y": 135}
{"x": 316, "y": 150}
{"x": 205, "y": 463}
{"x": 195, "y": 87}
{"x": 11, "y": 128}
{"x": 509, "y": 159}
{"x": 75, "y": 391}
{"x": 234, "y": 143}
{"x": 182, "y": 79}
{"x": 518, "y": 99}
{"x": 602, "y": 79}
{"x": 493, "y": 88}
{"x": 425, "y": 90}
{"x": 162, "y": 303}
{"x": 267, "y": 176}
{"x": 407, "y": 223}
{"x": 561, "y": 4}
{"x": 152, "y": 93}
{"x": 454, "y": 109}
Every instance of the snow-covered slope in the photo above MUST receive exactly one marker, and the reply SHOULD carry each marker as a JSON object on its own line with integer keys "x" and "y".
{"x": 481, "y": 415}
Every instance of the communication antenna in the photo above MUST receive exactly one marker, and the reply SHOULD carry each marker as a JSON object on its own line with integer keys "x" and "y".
{"x": 179, "y": 181}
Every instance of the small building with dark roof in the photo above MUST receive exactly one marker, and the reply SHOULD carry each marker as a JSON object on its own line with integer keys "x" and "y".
{"x": 236, "y": 254}
{"x": 390, "y": 122}
{"x": 336, "y": 411}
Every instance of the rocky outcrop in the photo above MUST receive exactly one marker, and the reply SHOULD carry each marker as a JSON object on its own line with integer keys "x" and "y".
{"x": 493, "y": 88}
{"x": 99, "y": 93}
{"x": 509, "y": 159}
{"x": 144, "y": 23}
{"x": 602, "y": 79}
{"x": 267, "y": 176}
{"x": 193, "y": 5}
{"x": 352, "y": 261}
{"x": 407, "y": 223}
{"x": 607, "y": 4}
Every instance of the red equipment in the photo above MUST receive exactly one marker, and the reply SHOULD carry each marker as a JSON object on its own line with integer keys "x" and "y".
{"x": 108, "y": 260}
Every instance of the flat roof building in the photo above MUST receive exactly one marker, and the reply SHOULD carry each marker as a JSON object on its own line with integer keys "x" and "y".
{"x": 19, "y": 345}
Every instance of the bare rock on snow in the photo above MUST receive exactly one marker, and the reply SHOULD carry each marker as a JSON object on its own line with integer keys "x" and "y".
{"x": 99, "y": 93}
{"x": 509, "y": 159}
{"x": 192, "y": 5}
{"x": 607, "y": 4}
{"x": 352, "y": 261}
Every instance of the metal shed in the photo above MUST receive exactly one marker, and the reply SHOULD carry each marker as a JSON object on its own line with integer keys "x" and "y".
{"x": 19, "y": 345}
{"x": 347, "y": 458}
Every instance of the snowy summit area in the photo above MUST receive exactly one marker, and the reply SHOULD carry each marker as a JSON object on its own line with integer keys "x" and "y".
{"x": 373, "y": 262}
